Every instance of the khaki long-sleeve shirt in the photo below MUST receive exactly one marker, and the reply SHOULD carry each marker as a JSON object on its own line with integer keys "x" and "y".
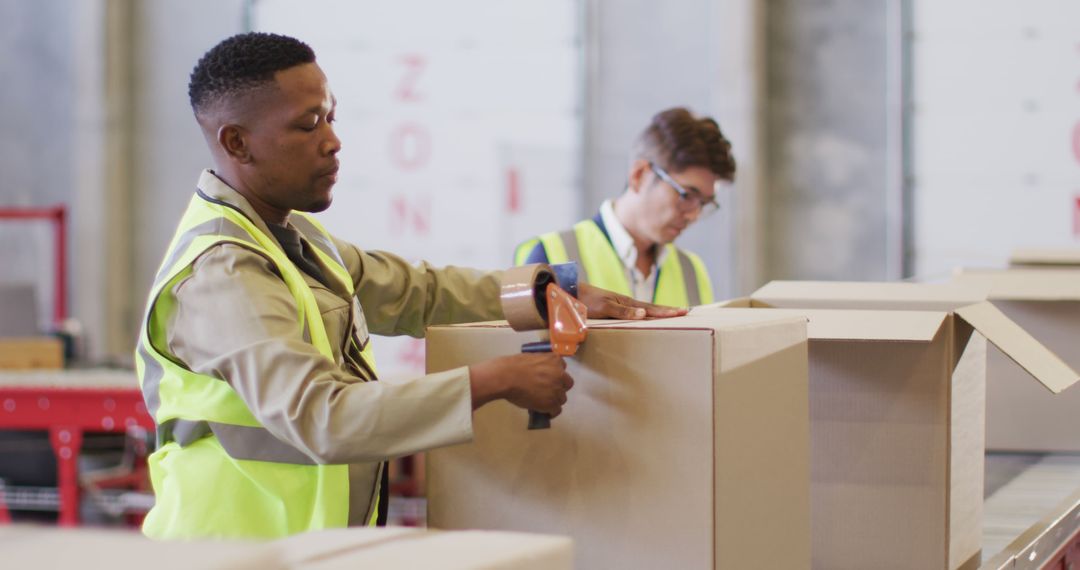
{"x": 236, "y": 320}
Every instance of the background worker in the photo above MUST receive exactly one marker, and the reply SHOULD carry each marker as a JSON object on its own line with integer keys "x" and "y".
{"x": 676, "y": 166}
{"x": 254, "y": 358}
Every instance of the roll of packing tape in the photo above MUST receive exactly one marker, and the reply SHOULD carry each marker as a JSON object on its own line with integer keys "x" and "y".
{"x": 522, "y": 296}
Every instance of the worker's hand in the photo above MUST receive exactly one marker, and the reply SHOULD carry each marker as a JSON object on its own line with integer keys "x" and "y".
{"x": 604, "y": 304}
{"x": 534, "y": 381}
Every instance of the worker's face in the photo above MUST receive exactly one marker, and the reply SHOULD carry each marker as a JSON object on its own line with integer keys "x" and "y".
{"x": 293, "y": 148}
{"x": 666, "y": 215}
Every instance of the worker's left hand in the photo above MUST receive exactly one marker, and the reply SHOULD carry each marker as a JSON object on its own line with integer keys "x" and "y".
{"x": 604, "y": 304}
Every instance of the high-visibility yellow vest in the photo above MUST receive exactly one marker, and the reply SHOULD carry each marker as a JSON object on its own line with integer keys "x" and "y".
{"x": 216, "y": 471}
{"x": 683, "y": 280}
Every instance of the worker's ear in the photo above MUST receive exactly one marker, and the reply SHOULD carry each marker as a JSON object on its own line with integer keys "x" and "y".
{"x": 639, "y": 174}
{"x": 234, "y": 141}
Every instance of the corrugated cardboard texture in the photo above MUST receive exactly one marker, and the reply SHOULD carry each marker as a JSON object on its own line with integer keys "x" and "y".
{"x": 880, "y": 443}
{"x": 1022, "y": 415}
{"x": 631, "y": 469}
{"x": 967, "y": 404}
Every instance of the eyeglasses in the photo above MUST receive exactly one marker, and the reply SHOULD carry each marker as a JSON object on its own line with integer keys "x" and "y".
{"x": 691, "y": 200}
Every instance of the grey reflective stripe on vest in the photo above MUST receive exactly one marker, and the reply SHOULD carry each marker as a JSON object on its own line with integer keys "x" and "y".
{"x": 151, "y": 384}
{"x": 316, "y": 237}
{"x": 240, "y": 442}
{"x": 689, "y": 276}
{"x": 216, "y": 226}
{"x": 152, "y": 370}
{"x": 573, "y": 253}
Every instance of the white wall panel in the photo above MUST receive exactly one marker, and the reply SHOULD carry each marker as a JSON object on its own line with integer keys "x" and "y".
{"x": 460, "y": 126}
{"x": 996, "y": 129}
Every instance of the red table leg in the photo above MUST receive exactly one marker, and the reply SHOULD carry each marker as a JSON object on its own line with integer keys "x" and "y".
{"x": 66, "y": 443}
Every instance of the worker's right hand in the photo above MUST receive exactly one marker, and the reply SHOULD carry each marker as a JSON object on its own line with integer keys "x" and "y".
{"x": 534, "y": 381}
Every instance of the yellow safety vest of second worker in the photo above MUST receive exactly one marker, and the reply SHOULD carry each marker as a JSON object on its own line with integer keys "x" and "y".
{"x": 216, "y": 470}
{"x": 682, "y": 282}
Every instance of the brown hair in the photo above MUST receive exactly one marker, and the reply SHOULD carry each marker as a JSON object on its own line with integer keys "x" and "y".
{"x": 676, "y": 140}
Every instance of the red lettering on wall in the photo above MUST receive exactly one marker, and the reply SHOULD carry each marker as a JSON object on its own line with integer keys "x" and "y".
{"x": 513, "y": 191}
{"x": 1076, "y": 142}
{"x": 406, "y": 89}
{"x": 412, "y": 356}
{"x": 415, "y": 216}
{"x": 410, "y": 146}
{"x": 1076, "y": 216}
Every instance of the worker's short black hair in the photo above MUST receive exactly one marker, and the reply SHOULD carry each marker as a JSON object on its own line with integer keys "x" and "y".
{"x": 242, "y": 62}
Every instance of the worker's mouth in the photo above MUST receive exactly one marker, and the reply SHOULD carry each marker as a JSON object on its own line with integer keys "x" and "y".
{"x": 330, "y": 173}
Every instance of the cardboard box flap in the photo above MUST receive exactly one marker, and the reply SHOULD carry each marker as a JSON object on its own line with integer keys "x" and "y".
{"x": 865, "y": 295}
{"x": 842, "y": 324}
{"x": 904, "y": 326}
{"x": 1045, "y": 256}
{"x": 1018, "y": 345}
{"x": 1022, "y": 284}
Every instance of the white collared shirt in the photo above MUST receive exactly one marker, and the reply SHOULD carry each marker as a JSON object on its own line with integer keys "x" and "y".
{"x": 642, "y": 286}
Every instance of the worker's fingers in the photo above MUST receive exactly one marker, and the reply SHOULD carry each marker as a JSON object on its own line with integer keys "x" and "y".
{"x": 651, "y": 310}
{"x": 619, "y": 310}
{"x": 567, "y": 381}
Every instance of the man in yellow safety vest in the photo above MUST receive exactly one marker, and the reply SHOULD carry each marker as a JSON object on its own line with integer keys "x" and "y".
{"x": 254, "y": 358}
{"x": 676, "y": 166}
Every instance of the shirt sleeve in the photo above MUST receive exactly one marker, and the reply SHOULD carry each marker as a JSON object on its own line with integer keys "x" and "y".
{"x": 235, "y": 320}
{"x": 399, "y": 298}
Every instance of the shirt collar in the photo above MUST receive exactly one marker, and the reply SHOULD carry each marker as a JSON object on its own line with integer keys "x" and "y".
{"x": 621, "y": 240}
{"x": 217, "y": 189}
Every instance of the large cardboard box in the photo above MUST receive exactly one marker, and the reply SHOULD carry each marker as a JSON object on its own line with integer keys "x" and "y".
{"x": 897, "y": 385}
{"x": 384, "y": 548}
{"x": 1022, "y": 415}
{"x": 411, "y": 548}
{"x": 683, "y": 445}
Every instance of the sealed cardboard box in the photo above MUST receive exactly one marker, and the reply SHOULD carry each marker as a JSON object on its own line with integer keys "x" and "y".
{"x": 897, "y": 386}
{"x": 1020, "y": 415}
{"x": 31, "y": 352}
{"x": 1046, "y": 257}
{"x": 683, "y": 445}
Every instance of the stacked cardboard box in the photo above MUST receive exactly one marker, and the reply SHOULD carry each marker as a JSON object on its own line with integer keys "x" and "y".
{"x": 30, "y": 353}
{"x": 1045, "y": 300}
{"x": 683, "y": 444}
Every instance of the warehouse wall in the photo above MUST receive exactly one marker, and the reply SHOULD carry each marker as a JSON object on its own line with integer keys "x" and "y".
{"x": 37, "y": 118}
{"x": 169, "y": 151}
{"x": 131, "y": 152}
{"x": 832, "y": 189}
{"x": 704, "y": 54}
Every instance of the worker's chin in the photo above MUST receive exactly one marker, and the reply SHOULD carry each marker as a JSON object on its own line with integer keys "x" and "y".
{"x": 320, "y": 204}
{"x": 669, "y": 235}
